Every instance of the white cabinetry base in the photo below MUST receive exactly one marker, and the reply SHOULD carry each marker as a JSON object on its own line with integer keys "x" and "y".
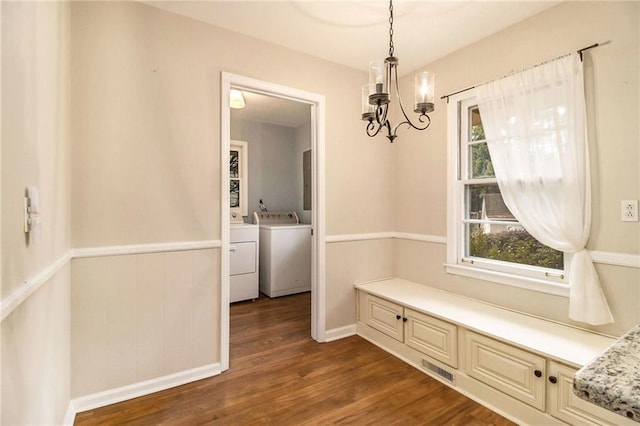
{"x": 516, "y": 365}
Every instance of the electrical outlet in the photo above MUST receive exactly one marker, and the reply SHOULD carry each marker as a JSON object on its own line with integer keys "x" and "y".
{"x": 629, "y": 210}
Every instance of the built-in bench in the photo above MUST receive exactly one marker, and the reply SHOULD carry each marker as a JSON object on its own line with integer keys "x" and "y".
{"x": 516, "y": 364}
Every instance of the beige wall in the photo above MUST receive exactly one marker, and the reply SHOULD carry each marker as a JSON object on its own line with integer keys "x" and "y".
{"x": 35, "y": 149}
{"x": 35, "y": 128}
{"x": 146, "y": 129}
{"x": 145, "y": 159}
{"x": 144, "y": 166}
{"x": 612, "y": 89}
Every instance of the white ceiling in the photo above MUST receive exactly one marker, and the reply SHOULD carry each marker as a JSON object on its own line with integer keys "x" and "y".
{"x": 267, "y": 109}
{"x": 354, "y": 32}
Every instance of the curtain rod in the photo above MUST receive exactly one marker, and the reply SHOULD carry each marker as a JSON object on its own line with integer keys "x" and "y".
{"x": 580, "y": 52}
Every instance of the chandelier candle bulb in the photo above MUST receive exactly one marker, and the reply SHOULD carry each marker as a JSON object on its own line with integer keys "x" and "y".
{"x": 378, "y": 76}
{"x": 368, "y": 110}
{"x": 383, "y": 76}
{"x": 424, "y": 93}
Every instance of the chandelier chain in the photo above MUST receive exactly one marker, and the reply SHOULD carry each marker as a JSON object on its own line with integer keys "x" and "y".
{"x": 377, "y": 97}
{"x": 390, "y": 28}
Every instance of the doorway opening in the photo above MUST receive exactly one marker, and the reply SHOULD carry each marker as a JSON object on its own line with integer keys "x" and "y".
{"x": 315, "y": 105}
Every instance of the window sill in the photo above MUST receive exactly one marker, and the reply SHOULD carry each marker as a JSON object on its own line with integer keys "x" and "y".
{"x": 527, "y": 283}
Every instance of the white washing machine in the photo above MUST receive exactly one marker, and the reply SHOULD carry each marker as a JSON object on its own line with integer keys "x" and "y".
{"x": 285, "y": 253}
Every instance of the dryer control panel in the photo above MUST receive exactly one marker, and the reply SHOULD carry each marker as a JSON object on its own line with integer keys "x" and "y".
{"x": 273, "y": 218}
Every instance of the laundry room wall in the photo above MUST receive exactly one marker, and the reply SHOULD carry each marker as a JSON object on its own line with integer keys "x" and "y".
{"x": 272, "y": 164}
{"x": 302, "y": 144}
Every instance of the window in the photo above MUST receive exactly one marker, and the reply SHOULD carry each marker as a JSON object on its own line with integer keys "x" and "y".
{"x": 485, "y": 240}
{"x": 238, "y": 201}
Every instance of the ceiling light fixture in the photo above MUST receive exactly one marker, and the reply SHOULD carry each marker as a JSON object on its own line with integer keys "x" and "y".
{"x": 376, "y": 96}
{"x": 236, "y": 100}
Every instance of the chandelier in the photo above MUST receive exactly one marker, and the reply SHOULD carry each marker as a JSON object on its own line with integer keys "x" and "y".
{"x": 376, "y": 95}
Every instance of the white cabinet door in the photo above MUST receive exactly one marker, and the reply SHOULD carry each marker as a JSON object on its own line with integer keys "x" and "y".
{"x": 567, "y": 406}
{"x": 431, "y": 336}
{"x": 242, "y": 258}
{"x": 382, "y": 315}
{"x": 518, "y": 373}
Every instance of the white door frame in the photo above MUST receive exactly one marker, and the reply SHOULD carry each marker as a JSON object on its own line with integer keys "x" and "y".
{"x": 317, "y": 103}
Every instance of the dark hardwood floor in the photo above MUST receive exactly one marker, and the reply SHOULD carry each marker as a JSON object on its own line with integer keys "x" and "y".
{"x": 278, "y": 375}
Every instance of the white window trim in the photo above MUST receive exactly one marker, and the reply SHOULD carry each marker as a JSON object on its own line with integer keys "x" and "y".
{"x": 243, "y": 164}
{"x": 521, "y": 276}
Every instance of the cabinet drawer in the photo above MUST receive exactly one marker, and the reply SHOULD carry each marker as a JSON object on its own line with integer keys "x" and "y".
{"x": 567, "y": 406}
{"x": 433, "y": 337}
{"x": 242, "y": 233}
{"x": 517, "y": 373}
{"x": 382, "y": 315}
{"x": 242, "y": 258}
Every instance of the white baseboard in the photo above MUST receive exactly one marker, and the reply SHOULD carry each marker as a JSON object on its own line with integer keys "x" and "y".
{"x": 70, "y": 415}
{"x": 135, "y": 390}
{"x": 339, "y": 333}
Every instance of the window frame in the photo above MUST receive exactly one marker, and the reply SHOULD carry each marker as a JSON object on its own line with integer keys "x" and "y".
{"x": 545, "y": 280}
{"x": 242, "y": 148}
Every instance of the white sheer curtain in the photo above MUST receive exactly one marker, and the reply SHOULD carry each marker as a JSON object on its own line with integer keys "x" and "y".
{"x": 535, "y": 125}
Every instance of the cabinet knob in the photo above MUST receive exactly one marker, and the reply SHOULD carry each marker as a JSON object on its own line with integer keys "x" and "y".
{"x": 404, "y": 319}
{"x": 538, "y": 373}
{"x": 398, "y": 317}
{"x": 553, "y": 379}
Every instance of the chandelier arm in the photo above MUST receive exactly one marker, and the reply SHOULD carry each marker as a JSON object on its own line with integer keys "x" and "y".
{"x": 381, "y": 114}
{"x": 374, "y": 126}
{"x": 410, "y": 124}
{"x": 382, "y": 101}
{"x": 371, "y": 126}
{"x": 408, "y": 120}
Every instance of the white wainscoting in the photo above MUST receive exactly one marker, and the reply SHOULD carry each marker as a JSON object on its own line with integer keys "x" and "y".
{"x": 30, "y": 286}
{"x": 26, "y": 289}
{"x": 140, "y": 316}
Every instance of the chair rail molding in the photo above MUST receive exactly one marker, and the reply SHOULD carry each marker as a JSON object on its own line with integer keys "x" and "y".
{"x": 144, "y": 248}
{"x": 599, "y": 256}
{"x": 23, "y": 291}
{"x": 30, "y": 286}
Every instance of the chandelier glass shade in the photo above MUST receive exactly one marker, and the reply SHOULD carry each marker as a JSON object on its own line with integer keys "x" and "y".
{"x": 377, "y": 94}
